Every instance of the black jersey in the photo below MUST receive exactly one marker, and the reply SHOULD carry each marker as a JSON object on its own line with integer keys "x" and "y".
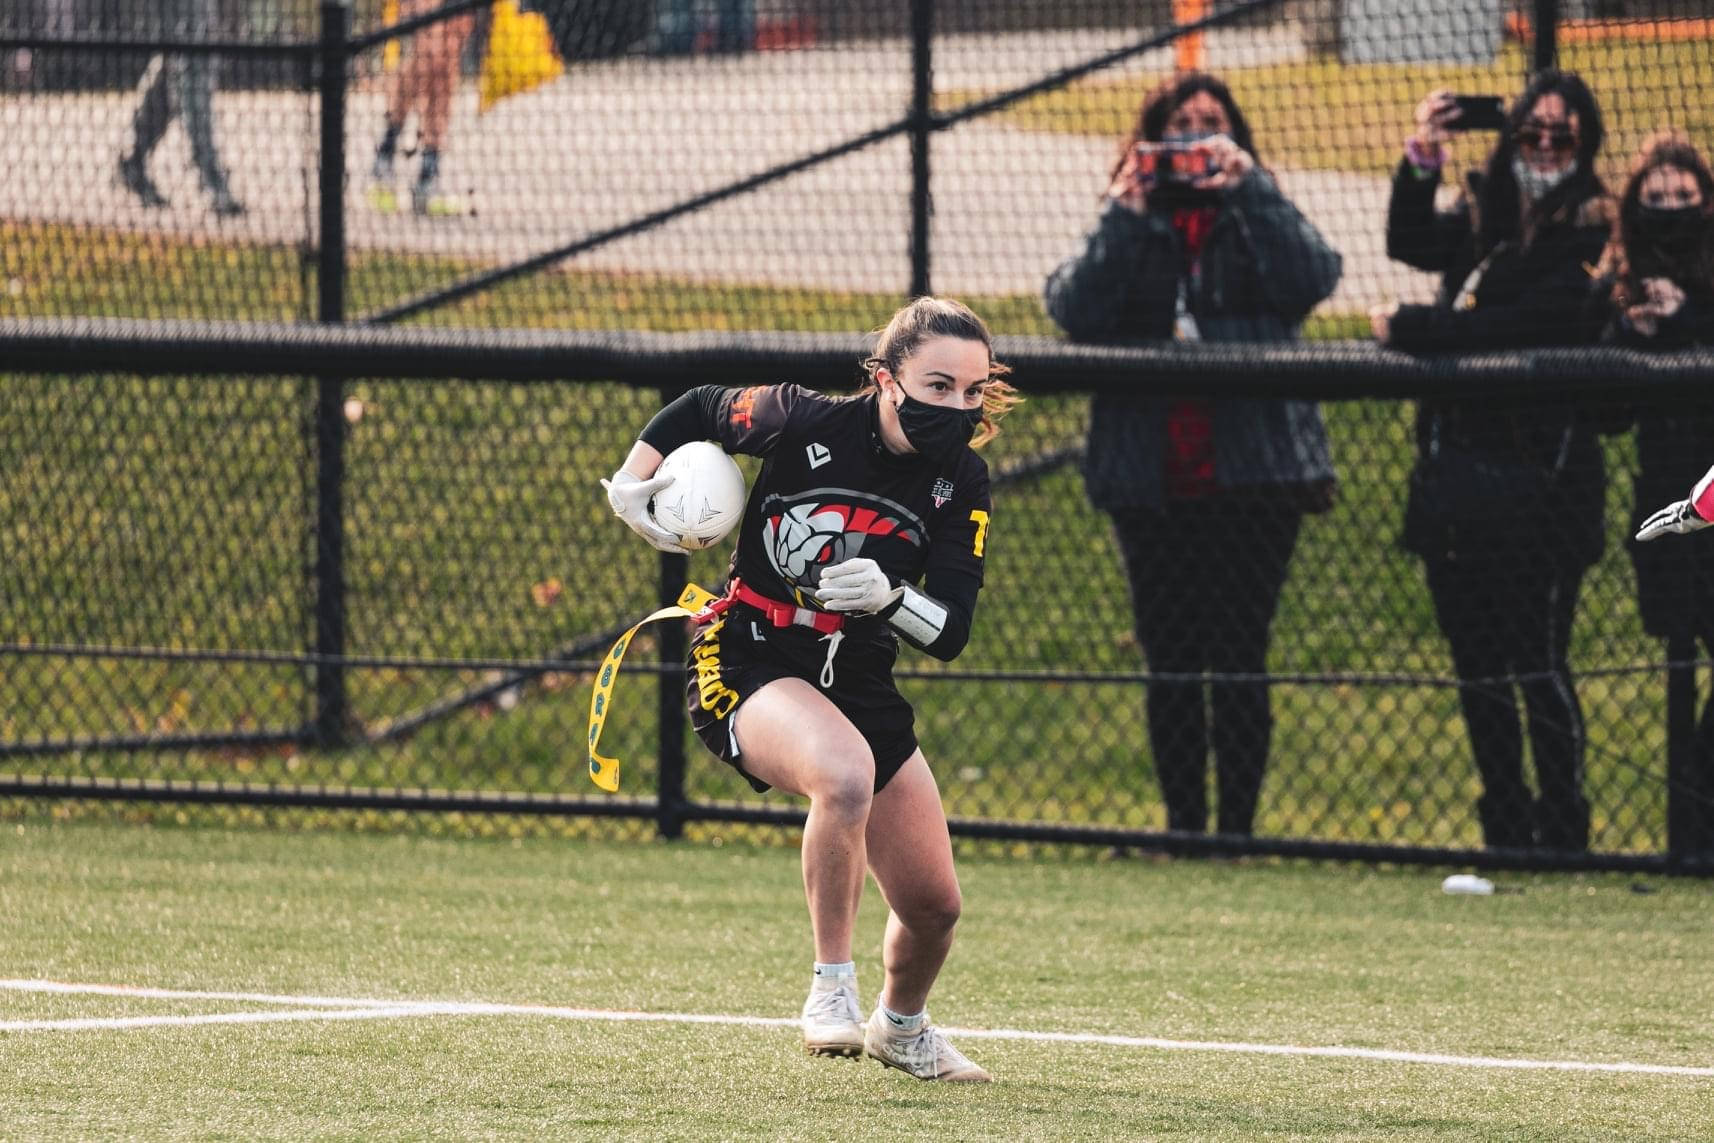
{"x": 830, "y": 491}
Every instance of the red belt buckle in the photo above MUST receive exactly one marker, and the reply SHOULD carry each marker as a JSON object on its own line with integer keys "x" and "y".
{"x": 714, "y": 608}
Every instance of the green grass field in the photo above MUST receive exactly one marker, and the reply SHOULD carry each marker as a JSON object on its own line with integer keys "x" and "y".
{"x": 1251, "y": 955}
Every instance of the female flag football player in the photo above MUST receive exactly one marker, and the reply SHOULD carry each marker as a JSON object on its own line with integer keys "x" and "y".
{"x": 790, "y": 674}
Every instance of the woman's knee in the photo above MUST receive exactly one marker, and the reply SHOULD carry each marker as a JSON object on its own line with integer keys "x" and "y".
{"x": 935, "y": 911}
{"x": 844, "y": 783}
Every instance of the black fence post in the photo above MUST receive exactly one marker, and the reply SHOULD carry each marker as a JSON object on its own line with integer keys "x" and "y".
{"x": 670, "y": 717}
{"x": 921, "y": 115}
{"x": 1546, "y": 35}
{"x": 335, "y": 57}
{"x": 1682, "y": 811}
{"x": 670, "y": 802}
{"x": 331, "y": 701}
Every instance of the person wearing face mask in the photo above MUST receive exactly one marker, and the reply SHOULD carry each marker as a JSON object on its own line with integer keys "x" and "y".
{"x": 1505, "y": 504}
{"x": 790, "y": 674}
{"x": 1659, "y": 292}
{"x": 1196, "y": 242}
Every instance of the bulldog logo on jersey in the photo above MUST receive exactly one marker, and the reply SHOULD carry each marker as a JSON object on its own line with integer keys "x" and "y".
{"x": 815, "y": 532}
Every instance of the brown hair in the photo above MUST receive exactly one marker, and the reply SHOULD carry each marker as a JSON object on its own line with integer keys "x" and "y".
{"x": 925, "y": 318}
{"x": 1165, "y": 98}
{"x": 1628, "y": 258}
{"x": 1500, "y": 206}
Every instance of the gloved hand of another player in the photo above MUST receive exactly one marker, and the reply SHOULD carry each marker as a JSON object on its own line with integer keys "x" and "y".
{"x": 1679, "y": 516}
{"x": 629, "y": 497}
{"x": 856, "y": 585}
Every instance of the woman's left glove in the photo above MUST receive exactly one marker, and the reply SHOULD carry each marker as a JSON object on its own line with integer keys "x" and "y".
{"x": 856, "y": 585}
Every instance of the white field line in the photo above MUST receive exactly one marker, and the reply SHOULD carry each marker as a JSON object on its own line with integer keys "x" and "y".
{"x": 275, "y": 1017}
{"x": 349, "y": 1008}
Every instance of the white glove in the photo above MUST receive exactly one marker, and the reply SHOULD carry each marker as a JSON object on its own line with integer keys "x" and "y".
{"x": 856, "y": 585}
{"x": 630, "y": 498}
{"x": 1679, "y": 516}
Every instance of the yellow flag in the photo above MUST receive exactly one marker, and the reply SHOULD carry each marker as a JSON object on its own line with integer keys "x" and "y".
{"x": 521, "y": 54}
{"x": 604, "y": 771}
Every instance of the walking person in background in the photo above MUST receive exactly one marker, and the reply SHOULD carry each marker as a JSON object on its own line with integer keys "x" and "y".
{"x": 1505, "y": 503}
{"x": 1196, "y": 242}
{"x": 179, "y": 84}
{"x": 1660, "y": 289}
{"x": 790, "y": 676}
{"x": 424, "y": 82}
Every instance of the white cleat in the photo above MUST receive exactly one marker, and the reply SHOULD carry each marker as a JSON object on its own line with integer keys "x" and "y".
{"x": 833, "y": 1020}
{"x": 924, "y": 1053}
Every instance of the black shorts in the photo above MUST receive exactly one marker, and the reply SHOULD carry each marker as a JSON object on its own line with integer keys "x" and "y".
{"x": 741, "y": 652}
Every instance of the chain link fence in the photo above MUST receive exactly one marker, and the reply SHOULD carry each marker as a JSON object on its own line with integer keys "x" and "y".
{"x": 287, "y": 576}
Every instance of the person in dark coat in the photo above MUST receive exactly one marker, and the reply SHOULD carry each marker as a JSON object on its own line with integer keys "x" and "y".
{"x": 1660, "y": 290}
{"x": 1505, "y": 503}
{"x": 179, "y": 85}
{"x": 1196, "y": 242}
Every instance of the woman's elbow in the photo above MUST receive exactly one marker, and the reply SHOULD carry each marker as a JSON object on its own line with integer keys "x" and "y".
{"x": 948, "y": 647}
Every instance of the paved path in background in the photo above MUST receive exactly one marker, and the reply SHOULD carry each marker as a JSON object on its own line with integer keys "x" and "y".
{"x": 617, "y": 139}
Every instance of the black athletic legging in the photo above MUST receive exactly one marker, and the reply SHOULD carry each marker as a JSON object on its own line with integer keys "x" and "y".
{"x": 1205, "y": 580}
{"x": 1513, "y": 617}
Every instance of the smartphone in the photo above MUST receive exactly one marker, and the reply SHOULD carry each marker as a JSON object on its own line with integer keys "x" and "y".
{"x": 1478, "y": 113}
{"x": 1173, "y": 162}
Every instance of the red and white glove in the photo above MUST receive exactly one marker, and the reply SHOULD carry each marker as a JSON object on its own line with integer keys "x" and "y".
{"x": 629, "y": 497}
{"x": 1683, "y": 516}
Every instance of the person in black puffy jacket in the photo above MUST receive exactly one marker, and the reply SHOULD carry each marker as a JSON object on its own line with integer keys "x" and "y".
{"x": 1505, "y": 503}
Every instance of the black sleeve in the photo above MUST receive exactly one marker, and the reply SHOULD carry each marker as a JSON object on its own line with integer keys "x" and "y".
{"x": 748, "y": 420}
{"x": 1295, "y": 267}
{"x": 953, "y": 576}
{"x": 1122, "y": 285}
{"x": 1418, "y": 234}
{"x": 1552, "y": 309}
{"x": 1693, "y": 324}
{"x": 690, "y": 417}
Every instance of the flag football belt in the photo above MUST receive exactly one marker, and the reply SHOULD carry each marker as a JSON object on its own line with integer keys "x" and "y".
{"x": 779, "y": 614}
{"x": 699, "y": 606}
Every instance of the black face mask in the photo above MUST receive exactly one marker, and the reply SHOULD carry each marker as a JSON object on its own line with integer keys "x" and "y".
{"x": 936, "y": 430}
{"x": 1672, "y": 229}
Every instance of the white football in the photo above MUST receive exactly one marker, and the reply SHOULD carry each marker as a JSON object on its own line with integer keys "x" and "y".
{"x": 705, "y": 501}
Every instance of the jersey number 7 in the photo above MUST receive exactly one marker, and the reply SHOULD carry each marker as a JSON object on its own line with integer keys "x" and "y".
{"x": 981, "y": 519}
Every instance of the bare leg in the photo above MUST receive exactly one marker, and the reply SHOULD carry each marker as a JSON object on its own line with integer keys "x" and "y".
{"x": 910, "y": 852}
{"x": 792, "y": 737}
{"x": 439, "y": 48}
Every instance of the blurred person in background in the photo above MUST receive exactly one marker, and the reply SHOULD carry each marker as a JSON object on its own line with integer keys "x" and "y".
{"x": 1659, "y": 290}
{"x": 425, "y": 82}
{"x": 1195, "y": 242}
{"x": 179, "y": 85}
{"x": 1505, "y": 504}
{"x": 724, "y": 27}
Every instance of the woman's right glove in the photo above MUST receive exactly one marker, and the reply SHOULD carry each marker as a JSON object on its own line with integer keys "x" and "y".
{"x": 1680, "y": 516}
{"x": 629, "y": 497}
{"x": 1685, "y": 515}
